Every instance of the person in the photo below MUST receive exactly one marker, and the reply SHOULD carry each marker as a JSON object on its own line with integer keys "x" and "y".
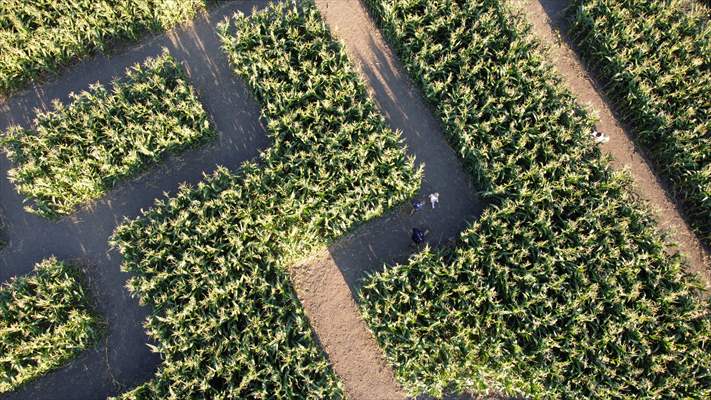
{"x": 418, "y": 236}
{"x": 599, "y": 137}
{"x": 434, "y": 199}
{"x": 417, "y": 204}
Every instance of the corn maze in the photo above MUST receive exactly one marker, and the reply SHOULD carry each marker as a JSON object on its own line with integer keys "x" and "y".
{"x": 569, "y": 305}
{"x": 565, "y": 286}
{"x": 45, "y": 321}
{"x": 79, "y": 152}
{"x": 656, "y": 59}
{"x": 333, "y": 164}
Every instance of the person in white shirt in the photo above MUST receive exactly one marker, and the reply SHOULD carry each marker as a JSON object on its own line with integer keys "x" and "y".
{"x": 434, "y": 199}
{"x": 599, "y": 137}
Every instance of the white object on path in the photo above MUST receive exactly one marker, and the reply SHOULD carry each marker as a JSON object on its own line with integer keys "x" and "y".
{"x": 434, "y": 199}
{"x": 599, "y": 137}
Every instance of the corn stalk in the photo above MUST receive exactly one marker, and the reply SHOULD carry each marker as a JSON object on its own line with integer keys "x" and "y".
{"x": 212, "y": 260}
{"x": 563, "y": 288}
{"x": 45, "y": 321}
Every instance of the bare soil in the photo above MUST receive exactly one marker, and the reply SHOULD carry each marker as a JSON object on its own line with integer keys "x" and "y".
{"x": 549, "y": 24}
{"x": 122, "y": 360}
{"x": 350, "y": 346}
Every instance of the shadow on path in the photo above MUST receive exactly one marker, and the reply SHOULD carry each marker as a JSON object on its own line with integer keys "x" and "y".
{"x": 550, "y": 24}
{"x": 326, "y": 284}
{"x": 387, "y": 240}
{"x": 123, "y": 360}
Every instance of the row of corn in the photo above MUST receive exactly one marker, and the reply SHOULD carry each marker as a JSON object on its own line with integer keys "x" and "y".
{"x": 37, "y": 37}
{"x": 75, "y": 154}
{"x": 45, "y": 320}
{"x": 563, "y": 288}
{"x": 654, "y": 57}
{"x": 211, "y": 261}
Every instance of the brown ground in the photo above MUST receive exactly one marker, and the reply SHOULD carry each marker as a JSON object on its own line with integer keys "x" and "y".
{"x": 327, "y": 282}
{"x": 547, "y": 18}
{"x": 122, "y": 360}
{"x": 344, "y": 336}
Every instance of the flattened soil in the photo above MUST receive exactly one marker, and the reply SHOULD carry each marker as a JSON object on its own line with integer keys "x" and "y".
{"x": 122, "y": 360}
{"x": 549, "y": 24}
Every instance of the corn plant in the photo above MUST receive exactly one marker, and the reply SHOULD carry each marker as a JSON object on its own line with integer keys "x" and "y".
{"x": 45, "y": 321}
{"x": 563, "y": 288}
{"x": 654, "y": 58}
{"x": 37, "y": 37}
{"x": 212, "y": 260}
{"x": 76, "y": 153}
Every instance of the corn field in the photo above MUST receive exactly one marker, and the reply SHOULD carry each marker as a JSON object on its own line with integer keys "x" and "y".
{"x": 212, "y": 260}
{"x": 655, "y": 60}
{"x": 45, "y": 321}
{"x": 37, "y": 37}
{"x": 563, "y": 288}
{"x": 77, "y": 153}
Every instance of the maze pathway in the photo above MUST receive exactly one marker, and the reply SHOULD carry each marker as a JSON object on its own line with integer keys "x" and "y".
{"x": 327, "y": 282}
{"x": 123, "y": 360}
{"x": 549, "y": 24}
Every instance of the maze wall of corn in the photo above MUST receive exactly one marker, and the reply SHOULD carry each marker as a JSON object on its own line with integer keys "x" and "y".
{"x": 562, "y": 289}
{"x": 212, "y": 261}
{"x": 45, "y": 320}
{"x": 77, "y": 153}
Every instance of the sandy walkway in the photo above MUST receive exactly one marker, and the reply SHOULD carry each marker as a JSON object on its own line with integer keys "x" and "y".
{"x": 548, "y": 19}
{"x": 344, "y": 336}
{"x": 326, "y": 282}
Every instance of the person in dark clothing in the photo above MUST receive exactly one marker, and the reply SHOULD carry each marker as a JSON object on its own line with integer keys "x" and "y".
{"x": 418, "y": 236}
{"x": 417, "y": 205}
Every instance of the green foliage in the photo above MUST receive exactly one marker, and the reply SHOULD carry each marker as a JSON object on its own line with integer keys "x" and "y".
{"x": 563, "y": 288}
{"x": 212, "y": 260}
{"x": 655, "y": 59}
{"x": 77, "y": 153}
{"x": 45, "y": 321}
{"x": 37, "y": 37}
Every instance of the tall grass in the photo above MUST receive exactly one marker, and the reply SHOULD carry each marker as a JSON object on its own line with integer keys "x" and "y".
{"x": 212, "y": 260}
{"x": 563, "y": 288}
{"x": 45, "y": 321}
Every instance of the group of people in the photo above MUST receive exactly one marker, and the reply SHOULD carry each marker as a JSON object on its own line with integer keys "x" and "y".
{"x": 419, "y": 235}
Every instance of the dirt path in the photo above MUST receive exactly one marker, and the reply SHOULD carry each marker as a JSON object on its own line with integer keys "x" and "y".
{"x": 327, "y": 282}
{"x": 343, "y": 335}
{"x": 548, "y": 20}
{"x": 123, "y": 360}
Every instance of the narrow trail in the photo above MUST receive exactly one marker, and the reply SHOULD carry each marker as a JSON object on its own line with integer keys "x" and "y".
{"x": 343, "y": 335}
{"x": 122, "y": 360}
{"x": 326, "y": 283}
{"x": 549, "y": 24}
